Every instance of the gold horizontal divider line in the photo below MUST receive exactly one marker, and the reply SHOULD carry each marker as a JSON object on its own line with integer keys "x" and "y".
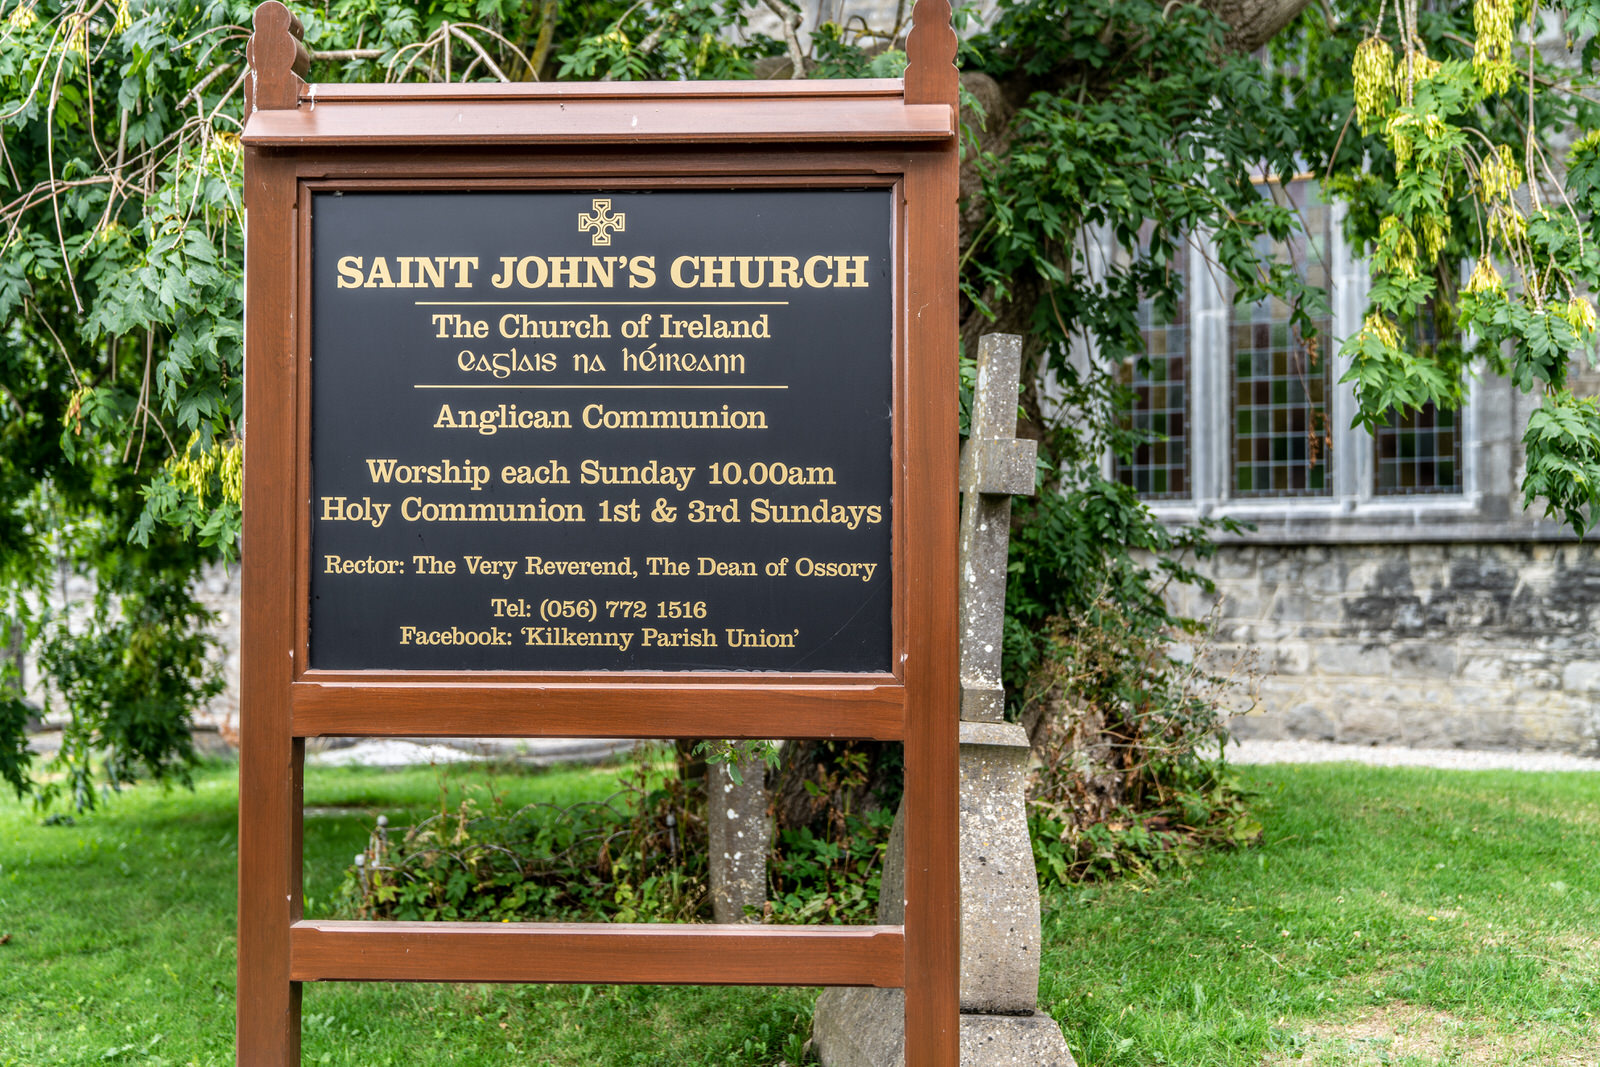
{"x": 581, "y": 385}
{"x": 636, "y": 953}
{"x": 602, "y": 303}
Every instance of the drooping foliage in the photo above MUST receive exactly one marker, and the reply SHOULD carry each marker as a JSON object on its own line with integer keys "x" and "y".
{"x": 1466, "y": 140}
{"x": 121, "y": 262}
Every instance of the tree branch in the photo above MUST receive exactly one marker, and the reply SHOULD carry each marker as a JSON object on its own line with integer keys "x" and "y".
{"x": 1252, "y": 23}
{"x": 789, "y": 19}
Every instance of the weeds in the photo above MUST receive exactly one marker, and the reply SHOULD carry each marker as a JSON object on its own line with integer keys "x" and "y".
{"x": 621, "y": 859}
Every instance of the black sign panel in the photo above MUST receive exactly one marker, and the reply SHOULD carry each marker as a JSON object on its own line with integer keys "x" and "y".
{"x": 648, "y": 430}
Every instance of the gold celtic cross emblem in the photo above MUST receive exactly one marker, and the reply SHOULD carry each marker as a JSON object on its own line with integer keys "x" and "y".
{"x": 602, "y": 222}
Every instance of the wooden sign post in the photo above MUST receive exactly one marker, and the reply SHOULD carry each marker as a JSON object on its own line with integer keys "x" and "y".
{"x": 598, "y": 410}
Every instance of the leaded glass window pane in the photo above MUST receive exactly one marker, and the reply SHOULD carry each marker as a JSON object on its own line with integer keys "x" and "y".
{"x": 1281, "y": 379}
{"x": 1160, "y": 466}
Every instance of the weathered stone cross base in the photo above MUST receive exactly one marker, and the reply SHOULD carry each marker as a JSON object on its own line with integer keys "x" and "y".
{"x": 1000, "y": 936}
{"x": 866, "y": 1028}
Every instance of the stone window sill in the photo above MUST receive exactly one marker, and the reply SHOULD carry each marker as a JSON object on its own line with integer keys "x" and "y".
{"x": 1420, "y": 518}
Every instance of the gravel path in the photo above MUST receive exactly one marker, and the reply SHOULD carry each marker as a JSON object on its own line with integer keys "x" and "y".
{"x": 398, "y": 752}
{"x": 534, "y": 751}
{"x": 395, "y": 753}
{"x": 1459, "y": 759}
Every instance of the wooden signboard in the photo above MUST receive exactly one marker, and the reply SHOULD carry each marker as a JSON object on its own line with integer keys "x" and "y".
{"x": 598, "y": 410}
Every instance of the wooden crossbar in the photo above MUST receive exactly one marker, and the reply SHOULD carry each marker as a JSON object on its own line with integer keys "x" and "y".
{"x": 575, "y": 120}
{"x": 642, "y": 953}
{"x": 632, "y": 709}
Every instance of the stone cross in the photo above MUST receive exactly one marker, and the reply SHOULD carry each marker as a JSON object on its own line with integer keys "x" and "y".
{"x": 994, "y": 465}
{"x": 1001, "y": 1025}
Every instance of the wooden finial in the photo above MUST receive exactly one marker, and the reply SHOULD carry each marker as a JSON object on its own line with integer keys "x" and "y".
{"x": 278, "y": 60}
{"x": 931, "y": 76}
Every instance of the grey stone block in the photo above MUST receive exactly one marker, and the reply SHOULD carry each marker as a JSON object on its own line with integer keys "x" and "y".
{"x": 1282, "y": 571}
{"x": 1579, "y": 641}
{"x": 1355, "y": 660}
{"x": 1241, "y": 604}
{"x": 858, "y": 1027}
{"x": 1362, "y": 573}
{"x": 1369, "y": 725}
{"x": 740, "y": 837}
{"x": 1257, "y": 727}
{"x": 994, "y": 465}
{"x": 983, "y": 703}
{"x": 1426, "y": 553}
{"x": 1426, "y": 659}
{"x": 1236, "y": 562}
{"x": 1526, "y": 659}
{"x": 1539, "y": 680}
{"x": 999, "y": 887}
{"x": 1291, "y": 657}
{"x": 1428, "y": 727}
{"x": 1559, "y": 730}
{"x": 1003, "y": 465}
{"x": 1582, "y": 677}
{"x": 1290, "y": 606}
{"x": 1483, "y": 667}
{"x": 1311, "y": 723}
{"x": 1267, "y": 633}
{"x": 1490, "y": 730}
{"x": 1013, "y": 1041}
{"x": 1327, "y": 578}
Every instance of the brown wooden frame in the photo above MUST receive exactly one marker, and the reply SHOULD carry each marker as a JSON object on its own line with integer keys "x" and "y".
{"x": 299, "y": 138}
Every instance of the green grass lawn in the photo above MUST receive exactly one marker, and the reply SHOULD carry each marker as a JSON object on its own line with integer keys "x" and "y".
{"x": 122, "y": 947}
{"x": 1390, "y": 916}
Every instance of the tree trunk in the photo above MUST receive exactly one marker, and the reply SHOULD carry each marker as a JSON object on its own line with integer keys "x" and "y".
{"x": 821, "y": 764}
{"x": 1252, "y": 23}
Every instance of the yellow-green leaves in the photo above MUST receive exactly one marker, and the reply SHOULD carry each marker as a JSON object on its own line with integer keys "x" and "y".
{"x": 1485, "y": 278}
{"x": 191, "y": 467}
{"x": 1580, "y": 313}
{"x": 78, "y": 33}
{"x": 1499, "y": 176}
{"x": 1506, "y": 223}
{"x": 1491, "y": 52}
{"x": 200, "y": 470}
{"x": 1398, "y": 129}
{"x": 230, "y": 472}
{"x": 1435, "y": 227}
{"x": 1373, "y": 72}
{"x": 1378, "y": 328}
{"x": 1397, "y": 249}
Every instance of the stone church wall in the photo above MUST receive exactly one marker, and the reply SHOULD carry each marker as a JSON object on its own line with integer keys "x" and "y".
{"x": 1463, "y": 644}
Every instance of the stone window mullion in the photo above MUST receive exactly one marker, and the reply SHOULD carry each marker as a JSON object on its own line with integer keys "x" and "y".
{"x": 1350, "y": 445}
{"x": 1211, "y": 435}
